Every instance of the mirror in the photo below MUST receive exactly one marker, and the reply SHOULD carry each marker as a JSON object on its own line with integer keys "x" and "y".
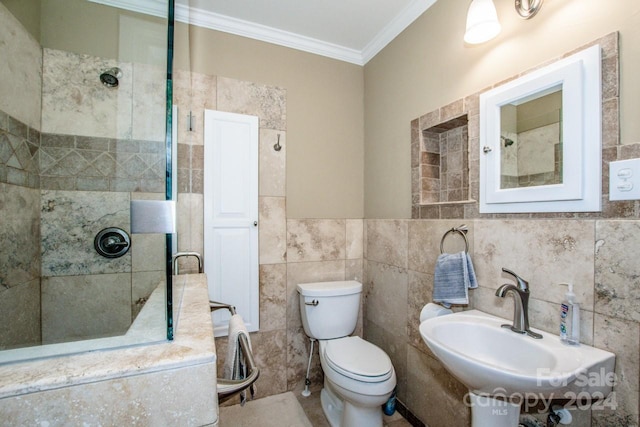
{"x": 531, "y": 142}
{"x": 540, "y": 139}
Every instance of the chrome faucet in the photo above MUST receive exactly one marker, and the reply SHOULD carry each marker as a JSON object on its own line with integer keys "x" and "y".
{"x": 520, "y": 304}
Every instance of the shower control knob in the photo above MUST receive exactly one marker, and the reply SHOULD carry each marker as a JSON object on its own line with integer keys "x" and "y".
{"x": 112, "y": 242}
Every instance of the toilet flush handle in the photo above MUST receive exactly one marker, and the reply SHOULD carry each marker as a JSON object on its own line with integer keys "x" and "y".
{"x": 313, "y": 303}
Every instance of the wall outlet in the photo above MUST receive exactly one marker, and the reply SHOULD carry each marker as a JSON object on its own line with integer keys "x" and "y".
{"x": 624, "y": 180}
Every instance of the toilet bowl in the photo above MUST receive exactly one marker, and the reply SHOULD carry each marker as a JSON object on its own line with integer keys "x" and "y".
{"x": 358, "y": 376}
{"x": 358, "y": 379}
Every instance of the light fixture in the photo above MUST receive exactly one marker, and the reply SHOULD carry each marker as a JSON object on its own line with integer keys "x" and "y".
{"x": 482, "y": 21}
{"x": 528, "y": 8}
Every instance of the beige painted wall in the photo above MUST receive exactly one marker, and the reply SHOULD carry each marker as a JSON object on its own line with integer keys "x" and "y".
{"x": 429, "y": 66}
{"x": 325, "y": 115}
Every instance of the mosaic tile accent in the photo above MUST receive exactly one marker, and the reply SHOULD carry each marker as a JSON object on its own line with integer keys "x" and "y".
{"x": 19, "y": 153}
{"x": 69, "y": 162}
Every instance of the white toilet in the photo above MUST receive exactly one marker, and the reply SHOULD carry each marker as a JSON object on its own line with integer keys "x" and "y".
{"x": 358, "y": 376}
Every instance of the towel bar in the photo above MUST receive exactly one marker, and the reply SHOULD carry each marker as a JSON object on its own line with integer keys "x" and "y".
{"x": 462, "y": 230}
{"x": 185, "y": 254}
{"x": 228, "y": 388}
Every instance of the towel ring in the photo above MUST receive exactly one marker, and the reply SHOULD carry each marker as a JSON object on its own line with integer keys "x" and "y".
{"x": 462, "y": 230}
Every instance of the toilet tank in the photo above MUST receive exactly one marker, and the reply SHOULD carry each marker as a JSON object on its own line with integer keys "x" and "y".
{"x": 329, "y": 309}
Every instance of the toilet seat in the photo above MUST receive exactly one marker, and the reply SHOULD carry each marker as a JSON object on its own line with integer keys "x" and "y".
{"x": 358, "y": 359}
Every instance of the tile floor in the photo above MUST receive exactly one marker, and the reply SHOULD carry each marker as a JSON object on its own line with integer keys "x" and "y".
{"x": 313, "y": 410}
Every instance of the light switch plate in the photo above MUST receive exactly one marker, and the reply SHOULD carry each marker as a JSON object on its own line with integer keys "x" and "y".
{"x": 624, "y": 180}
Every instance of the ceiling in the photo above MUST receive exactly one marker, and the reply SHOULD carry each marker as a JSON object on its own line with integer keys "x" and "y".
{"x": 348, "y": 30}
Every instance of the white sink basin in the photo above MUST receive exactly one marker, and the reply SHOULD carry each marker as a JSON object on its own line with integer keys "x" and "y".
{"x": 492, "y": 360}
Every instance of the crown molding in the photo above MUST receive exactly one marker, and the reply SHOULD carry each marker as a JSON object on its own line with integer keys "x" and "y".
{"x": 397, "y": 25}
{"x": 214, "y": 21}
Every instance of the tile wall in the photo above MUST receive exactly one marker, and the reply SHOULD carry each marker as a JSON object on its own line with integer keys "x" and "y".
{"x": 72, "y": 155}
{"x": 291, "y": 251}
{"x": 99, "y": 149}
{"x": 594, "y": 251}
{"x": 20, "y": 105}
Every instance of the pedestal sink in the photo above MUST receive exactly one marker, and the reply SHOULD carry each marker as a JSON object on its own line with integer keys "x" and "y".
{"x": 501, "y": 367}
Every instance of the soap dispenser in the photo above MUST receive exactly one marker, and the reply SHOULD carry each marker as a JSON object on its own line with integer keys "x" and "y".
{"x": 570, "y": 318}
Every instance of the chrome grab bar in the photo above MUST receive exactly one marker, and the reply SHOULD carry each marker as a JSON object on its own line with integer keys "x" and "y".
{"x": 227, "y": 388}
{"x": 185, "y": 254}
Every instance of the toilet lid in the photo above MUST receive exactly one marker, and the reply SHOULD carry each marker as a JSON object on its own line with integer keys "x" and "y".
{"x": 358, "y": 359}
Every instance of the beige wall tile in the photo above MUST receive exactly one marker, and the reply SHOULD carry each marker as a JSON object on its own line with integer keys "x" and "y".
{"x": 617, "y": 269}
{"x": 354, "y": 270}
{"x": 85, "y": 307}
{"x": 147, "y": 252}
{"x": 386, "y": 297}
{"x": 273, "y": 297}
{"x": 20, "y": 230}
{"x": 395, "y": 346}
{"x": 70, "y": 221}
{"x": 20, "y": 92}
{"x": 272, "y": 230}
{"x": 268, "y": 103}
{"x": 85, "y": 107}
{"x": 270, "y": 351}
{"x": 424, "y": 242}
{"x": 387, "y": 241}
{"x": 621, "y": 337}
{"x": 355, "y": 238}
{"x": 21, "y": 304}
{"x": 142, "y": 285}
{"x": 543, "y": 252}
{"x": 272, "y": 163}
{"x": 148, "y": 102}
{"x": 420, "y": 292}
{"x": 315, "y": 239}
{"x": 433, "y": 395}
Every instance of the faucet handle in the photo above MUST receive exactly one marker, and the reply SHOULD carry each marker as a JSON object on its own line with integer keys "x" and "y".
{"x": 523, "y": 285}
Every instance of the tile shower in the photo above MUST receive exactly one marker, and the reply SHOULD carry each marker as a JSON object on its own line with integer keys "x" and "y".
{"x": 73, "y": 153}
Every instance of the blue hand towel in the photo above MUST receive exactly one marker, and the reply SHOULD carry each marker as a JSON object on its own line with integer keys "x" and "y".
{"x": 454, "y": 276}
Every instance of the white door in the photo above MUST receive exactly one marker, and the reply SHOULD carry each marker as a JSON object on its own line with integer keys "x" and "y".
{"x": 231, "y": 215}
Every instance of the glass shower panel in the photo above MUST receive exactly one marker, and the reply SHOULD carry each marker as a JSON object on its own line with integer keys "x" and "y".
{"x": 83, "y": 116}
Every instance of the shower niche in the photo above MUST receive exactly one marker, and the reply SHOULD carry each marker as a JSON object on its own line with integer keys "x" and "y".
{"x": 440, "y": 163}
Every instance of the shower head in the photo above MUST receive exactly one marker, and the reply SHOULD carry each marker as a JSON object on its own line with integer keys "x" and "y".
{"x": 110, "y": 77}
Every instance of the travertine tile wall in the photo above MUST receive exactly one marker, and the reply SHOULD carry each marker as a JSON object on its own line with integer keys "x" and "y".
{"x": 291, "y": 251}
{"x": 597, "y": 256}
{"x": 100, "y": 148}
{"x": 595, "y": 251}
{"x": 72, "y": 155}
{"x": 20, "y": 105}
{"x": 21, "y": 91}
